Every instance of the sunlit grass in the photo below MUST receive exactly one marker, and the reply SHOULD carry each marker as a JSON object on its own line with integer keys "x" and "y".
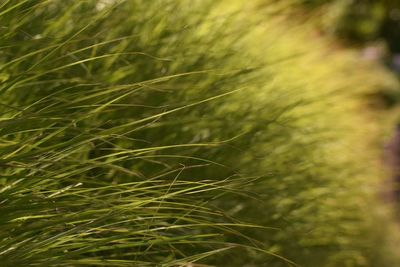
{"x": 163, "y": 133}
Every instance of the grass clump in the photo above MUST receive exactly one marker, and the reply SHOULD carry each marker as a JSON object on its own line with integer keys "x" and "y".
{"x": 164, "y": 133}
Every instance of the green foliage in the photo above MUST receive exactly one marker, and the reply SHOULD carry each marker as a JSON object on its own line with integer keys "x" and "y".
{"x": 163, "y": 133}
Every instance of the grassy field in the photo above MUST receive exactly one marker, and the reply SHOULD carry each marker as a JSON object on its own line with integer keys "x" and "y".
{"x": 173, "y": 133}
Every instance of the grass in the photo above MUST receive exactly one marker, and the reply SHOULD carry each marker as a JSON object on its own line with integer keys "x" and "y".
{"x": 168, "y": 133}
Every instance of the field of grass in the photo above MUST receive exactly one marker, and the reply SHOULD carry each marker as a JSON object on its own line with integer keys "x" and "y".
{"x": 173, "y": 133}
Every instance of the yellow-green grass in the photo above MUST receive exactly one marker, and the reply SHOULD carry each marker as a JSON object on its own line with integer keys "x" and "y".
{"x": 161, "y": 133}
